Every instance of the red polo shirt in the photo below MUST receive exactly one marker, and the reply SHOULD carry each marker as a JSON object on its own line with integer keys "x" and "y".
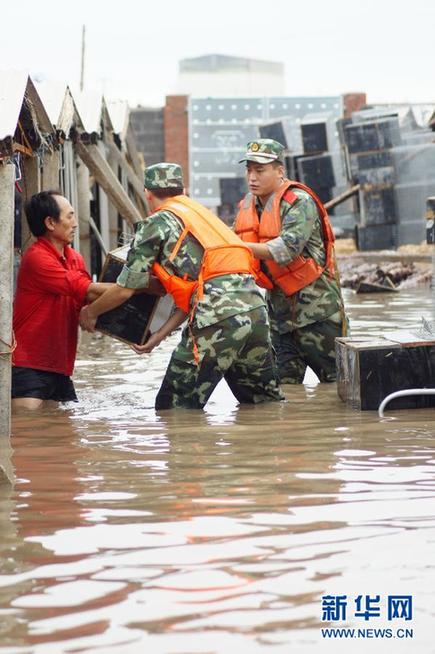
{"x": 51, "y": 290}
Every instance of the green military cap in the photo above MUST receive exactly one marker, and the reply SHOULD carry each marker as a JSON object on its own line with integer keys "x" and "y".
{"x": 264, "y": 151}
{"x": 164, "y": 175}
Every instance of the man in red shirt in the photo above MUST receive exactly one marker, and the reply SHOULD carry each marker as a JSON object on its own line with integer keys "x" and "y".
{"x": 53, "y": 284}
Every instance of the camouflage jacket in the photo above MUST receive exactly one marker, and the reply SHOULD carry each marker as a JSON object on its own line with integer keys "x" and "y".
{"x": 224, "y": 296}
{"x": 301, "y": 233}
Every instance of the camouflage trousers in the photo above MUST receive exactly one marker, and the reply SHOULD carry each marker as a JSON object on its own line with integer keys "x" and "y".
{"x": 313, "y": 345}
{"x": 237, "y": 348}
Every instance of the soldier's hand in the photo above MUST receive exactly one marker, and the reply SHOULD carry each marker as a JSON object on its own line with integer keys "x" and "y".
{"x": 153, "y": 341}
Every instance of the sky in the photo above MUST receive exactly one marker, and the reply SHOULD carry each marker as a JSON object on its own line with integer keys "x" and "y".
{"x": 328, "y": 47}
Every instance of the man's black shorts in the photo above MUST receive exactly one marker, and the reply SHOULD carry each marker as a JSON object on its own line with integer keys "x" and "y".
{"x": 29, "y": 382}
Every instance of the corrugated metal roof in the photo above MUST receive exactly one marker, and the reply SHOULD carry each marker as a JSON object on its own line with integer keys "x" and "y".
{"x": 59, "y": 103}
{"x": 13, "y": 86}
{"x": 52, "y": 95}
{"x": 119, "y": 113}
{"x": 421, "y": 111}
{"x": 89, "y": 106}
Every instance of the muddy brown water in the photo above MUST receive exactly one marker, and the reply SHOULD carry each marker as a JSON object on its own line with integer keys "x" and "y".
{"x": 217, "y": 531}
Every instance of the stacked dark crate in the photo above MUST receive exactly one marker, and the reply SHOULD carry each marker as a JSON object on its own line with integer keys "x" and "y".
{"x": 315, "y": 167}
{"x": 370, "y": 368}
{"x": 369, "y": 146}
{"x": 430, "y": 221}
{"x": 274, "y": 131}
{"x": 317, "y": 172}
{"x": 232, "y": 190}
{"x": 415, "y": 182}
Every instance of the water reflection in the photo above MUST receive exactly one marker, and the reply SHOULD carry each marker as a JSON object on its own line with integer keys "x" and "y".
{"x": 209, "y": 531}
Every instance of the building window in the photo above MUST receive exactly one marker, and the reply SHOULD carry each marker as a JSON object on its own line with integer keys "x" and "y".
{"x": 195, "y": 107}
{"x": 297, "y": 105}
{"x": 208, "y": 107}
{"x": 233, "y": 107}
{"x": 310, "y": 105}
{"x": 196, "y": 164}
{"x": 221, "y": 107}
{"x": 247, "y": 106}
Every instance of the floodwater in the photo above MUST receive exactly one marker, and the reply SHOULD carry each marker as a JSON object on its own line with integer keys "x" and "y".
{"x": 218, "y": 531}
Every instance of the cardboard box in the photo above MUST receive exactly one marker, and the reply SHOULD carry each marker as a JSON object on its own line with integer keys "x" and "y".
{"x": 140, "y": 316}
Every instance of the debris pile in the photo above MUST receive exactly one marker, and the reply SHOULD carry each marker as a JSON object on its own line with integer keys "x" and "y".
{"x": 390, "y": 275}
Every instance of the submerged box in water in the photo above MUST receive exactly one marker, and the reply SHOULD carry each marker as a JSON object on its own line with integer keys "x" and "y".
{"x": 370, "y": 368}
{"x": 140, "y": 316}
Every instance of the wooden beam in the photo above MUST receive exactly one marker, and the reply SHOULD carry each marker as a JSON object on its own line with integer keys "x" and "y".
{"x": 343, "y": 197}
{"x": 98, "y": 236}
{"x": 17, "y": 147}
{"x": 132, "y": 153}
{"x": 103, "y": 174}
{"x": 134, "y": 180}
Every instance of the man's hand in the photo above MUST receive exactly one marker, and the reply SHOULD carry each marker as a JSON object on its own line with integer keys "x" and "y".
{"x": 153, "y": 341}
{"x": 87, "y": 321}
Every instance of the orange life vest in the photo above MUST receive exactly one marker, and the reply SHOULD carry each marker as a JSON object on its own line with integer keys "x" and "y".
{"x": 302, "y": 271}
{"x": 224, "y": 252}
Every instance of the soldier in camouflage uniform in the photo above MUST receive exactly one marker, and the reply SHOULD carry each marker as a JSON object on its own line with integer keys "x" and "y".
{"x": 229, "y": 325}
{"x": 305, "y": 324}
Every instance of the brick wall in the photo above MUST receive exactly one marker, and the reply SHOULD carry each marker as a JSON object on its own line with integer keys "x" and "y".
{"x": 176, "y": 132}
{"x": 353, "y": 102}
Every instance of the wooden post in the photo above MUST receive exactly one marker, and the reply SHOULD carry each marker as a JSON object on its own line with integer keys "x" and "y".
{"x": 105, "y": 177}
{"x": 7, "y": 185}
{"x": 50, "y": 171}
{"x": 84, "y": 211}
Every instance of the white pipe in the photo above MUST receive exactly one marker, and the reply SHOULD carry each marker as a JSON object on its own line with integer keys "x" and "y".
{"x": 411, "y": 391}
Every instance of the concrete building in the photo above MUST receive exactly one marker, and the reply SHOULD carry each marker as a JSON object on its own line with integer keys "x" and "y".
{"x": 219, "y": 129}
{"x": 222, "y": 75}
{"x": 147, "y": 125}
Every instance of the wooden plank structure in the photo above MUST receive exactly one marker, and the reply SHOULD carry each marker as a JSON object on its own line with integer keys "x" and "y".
{"x": 26, "y": 136}
{"x": 52, "y": 139}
